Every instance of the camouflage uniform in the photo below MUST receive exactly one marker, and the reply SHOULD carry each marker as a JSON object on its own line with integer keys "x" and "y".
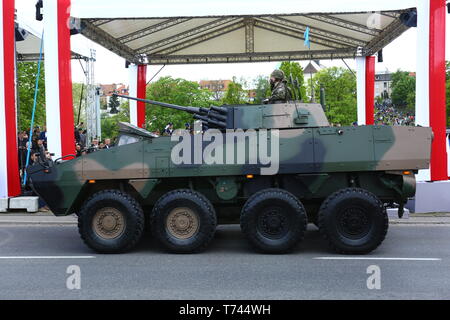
{"x": 280, "y": 92}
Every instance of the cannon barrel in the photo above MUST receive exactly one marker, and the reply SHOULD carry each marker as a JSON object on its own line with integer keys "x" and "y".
{"x": 193, "y": 110}
{"x": 215, "y": 117}
{"x": 211, "y": 122}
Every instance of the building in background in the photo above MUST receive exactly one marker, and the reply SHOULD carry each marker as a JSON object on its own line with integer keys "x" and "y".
{"x": 383, "y": 81}
{"x": 107, "y": 90}
{"x": 217, "y": 87}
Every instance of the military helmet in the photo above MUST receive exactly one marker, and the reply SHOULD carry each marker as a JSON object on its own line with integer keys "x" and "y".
{"x": 278, "y": 74}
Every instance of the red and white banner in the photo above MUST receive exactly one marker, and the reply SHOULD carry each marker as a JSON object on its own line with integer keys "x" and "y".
{"x": 58, "y": 78}
{"x": 430, "y": 83}
{"x": 365, "y": 88}
{"x": 138, "y": 85}
{"x": 9, "y": 164}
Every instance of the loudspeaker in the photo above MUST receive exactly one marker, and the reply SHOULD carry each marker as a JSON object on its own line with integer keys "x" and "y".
{"x": 39, "y": 15}
{"x": 409, "y": 18}
{"x": 380, "y": 55}
{"x": 20, "y": 34}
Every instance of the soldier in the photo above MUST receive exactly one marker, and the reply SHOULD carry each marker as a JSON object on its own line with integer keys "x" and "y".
{"x": 280, "y": 90}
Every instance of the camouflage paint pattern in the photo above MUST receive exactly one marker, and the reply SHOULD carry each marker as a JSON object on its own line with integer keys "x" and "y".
{"x": 315, "y": 161}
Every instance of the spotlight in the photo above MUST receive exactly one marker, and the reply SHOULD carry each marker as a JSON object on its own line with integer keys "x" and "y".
{"x": 380, "y": 55}
{"x": 75, "y": 26}
{"x": 409, "y": 18}
{"x": 39, "y": 15}
{"x": 20, "y": 34}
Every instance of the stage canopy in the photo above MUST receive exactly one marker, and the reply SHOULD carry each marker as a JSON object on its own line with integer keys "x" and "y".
{"x": 187, "y": 32}
{"x": 28, "y": 49}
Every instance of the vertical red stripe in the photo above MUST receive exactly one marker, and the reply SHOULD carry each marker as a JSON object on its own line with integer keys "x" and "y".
{"x": 437, "y": 90}
{"x": 370, "y": 89}
{"x": 65, "y": 79}
{"x": 141, "y": 93}
{"x": 10, "y": 98}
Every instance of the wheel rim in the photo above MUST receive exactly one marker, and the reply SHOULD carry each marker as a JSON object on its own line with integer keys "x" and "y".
{"x": 182, "y": 223}
{"x": 109, "y": 223}
{"x": 354, "y": 222}
{"x": 273, "y": 223}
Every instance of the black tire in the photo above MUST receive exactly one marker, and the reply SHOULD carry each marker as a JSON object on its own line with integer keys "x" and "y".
{"x": 183, "y": 221}
{"x": 125, "y": 217}
{"x": 273, "y": 221}
{"x": 353, "y": 221}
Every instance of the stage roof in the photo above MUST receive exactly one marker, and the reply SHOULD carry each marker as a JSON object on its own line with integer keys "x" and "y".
{"x": 188, "y": 32}
{"x": 28, "y": 49}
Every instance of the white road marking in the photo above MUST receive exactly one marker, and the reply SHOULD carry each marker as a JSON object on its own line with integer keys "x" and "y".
{"x": 378, "y": 258}
{"x": 45, "y": 257}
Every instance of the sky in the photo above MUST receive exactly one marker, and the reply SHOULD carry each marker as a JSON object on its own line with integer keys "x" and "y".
{"x": 400, "y": 54}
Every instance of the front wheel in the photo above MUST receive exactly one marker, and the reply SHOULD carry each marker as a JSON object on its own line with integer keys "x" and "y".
{"x": 353, "y": 221}
{"x": 111, "y": 222}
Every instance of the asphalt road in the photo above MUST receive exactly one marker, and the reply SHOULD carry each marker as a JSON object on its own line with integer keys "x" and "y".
{"x": 34, "y": 262}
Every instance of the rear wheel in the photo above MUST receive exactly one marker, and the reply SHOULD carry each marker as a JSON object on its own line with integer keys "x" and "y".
{"x": 111, "y": 222}
{"x": 353, "y": 221}
{"x": 273, "y": 221}
{"x": 184, "y": 221}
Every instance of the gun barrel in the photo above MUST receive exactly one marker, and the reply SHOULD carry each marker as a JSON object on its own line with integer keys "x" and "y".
{"x": 193, "y": 110}
{"x": 221, "y": 110}
{"x": 209, "y": 122}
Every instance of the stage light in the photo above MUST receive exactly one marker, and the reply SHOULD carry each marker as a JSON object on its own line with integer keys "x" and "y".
{"x": 409, "y": 18}
{"x": 380, "y": 56}
{"x": 20, "y": 34}
{"x": 39, "y": 15}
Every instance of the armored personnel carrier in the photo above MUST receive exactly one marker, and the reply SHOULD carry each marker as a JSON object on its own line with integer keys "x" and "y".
{"x": 272, "y": 168}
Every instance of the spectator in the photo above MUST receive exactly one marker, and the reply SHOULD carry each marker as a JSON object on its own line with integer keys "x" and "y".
{"x": 83, "y": 137}
{"x": 40, "y": 149}
{"x": 77, "y": 135}
{"x": 43, "y": 136}
{"x": 22, "y": 144}
{"x": 94, "y": 146}
{"x": 168, "y": 130}
{"x": 107, "y": 143}
{"x": 78, "y": 150}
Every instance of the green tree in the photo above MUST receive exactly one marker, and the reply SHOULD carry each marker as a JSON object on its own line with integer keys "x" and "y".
{"x": 340, "y": 93}
{"x": 403, "y": 90}
{"x": 294, "y": 69}
{"x": 175, "y": 91}
{"x": 262, "y": 88}
{"x": 110, "y": 123}
{"x": 79, "y": 95}
{"x": 26, "y": 76}
{"x": 235, "y": 94}
{"x": 114, "y": 104}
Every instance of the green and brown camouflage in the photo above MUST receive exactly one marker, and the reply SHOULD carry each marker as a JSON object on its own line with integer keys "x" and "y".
{"x": 315, "y": 160}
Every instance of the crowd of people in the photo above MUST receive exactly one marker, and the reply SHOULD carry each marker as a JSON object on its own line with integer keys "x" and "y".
{"x": 387, "y": 114}
{"x": 81, "y": 146}
{"x": 38, "y": 148}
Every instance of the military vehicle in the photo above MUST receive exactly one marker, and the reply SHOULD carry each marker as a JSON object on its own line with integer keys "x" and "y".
{"x": 340, "y": 178}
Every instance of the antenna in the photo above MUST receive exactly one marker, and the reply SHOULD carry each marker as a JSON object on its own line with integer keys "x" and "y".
{"x": 297, "y": 84}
